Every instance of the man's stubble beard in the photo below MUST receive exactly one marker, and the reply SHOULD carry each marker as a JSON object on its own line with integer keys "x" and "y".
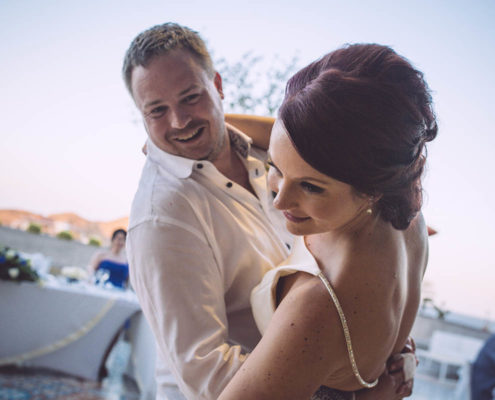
{"x": 223, "y": 136}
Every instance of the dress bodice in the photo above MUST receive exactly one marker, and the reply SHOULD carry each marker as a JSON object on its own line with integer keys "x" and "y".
{"x": 119, "y": 272}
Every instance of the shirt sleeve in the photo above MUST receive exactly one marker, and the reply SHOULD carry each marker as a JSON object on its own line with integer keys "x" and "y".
{"x": 181, "y": 290}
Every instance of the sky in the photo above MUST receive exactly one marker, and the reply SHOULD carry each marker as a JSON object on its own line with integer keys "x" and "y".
{"x": 71, "y": 137}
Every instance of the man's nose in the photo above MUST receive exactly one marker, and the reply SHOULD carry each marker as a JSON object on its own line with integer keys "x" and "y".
{"x": 179, "y": 118}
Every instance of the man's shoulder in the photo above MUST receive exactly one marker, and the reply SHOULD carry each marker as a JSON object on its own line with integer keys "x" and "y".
{"x": 258, "y": 153}
{"x": 243, "y": 144}
{"x": 160, "y": 195}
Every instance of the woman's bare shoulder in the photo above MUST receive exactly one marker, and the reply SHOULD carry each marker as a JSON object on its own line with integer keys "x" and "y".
{"x": 308, "y": 321}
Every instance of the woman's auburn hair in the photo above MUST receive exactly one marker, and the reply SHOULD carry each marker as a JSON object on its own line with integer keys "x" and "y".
{"x": 362, "y": 115}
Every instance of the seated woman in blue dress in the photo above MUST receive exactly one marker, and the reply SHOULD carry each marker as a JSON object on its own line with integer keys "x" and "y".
{"x": 113, "y": 260}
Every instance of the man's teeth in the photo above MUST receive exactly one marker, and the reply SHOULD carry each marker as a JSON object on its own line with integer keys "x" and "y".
{"x": 189, "y": 137}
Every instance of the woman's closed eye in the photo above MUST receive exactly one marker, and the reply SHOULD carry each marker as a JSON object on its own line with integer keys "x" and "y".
{"x": 309, "y": 187}
{"x": 272, "y": 165}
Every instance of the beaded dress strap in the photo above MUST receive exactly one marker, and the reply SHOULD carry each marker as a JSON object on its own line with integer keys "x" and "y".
{"x": 346, "y": 334}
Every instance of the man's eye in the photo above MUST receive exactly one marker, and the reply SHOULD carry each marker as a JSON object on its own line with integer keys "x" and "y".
{"x": 191, "y": 99}
{"x": 309, "y": 187}
{"x": 157, "y": 112}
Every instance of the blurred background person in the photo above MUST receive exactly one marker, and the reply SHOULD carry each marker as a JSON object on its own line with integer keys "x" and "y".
{"x": 483, "y": 372}
{"x": 110, "y": 265}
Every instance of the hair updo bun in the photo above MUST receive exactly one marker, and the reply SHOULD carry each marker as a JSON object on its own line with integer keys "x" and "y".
{"x": 362, "y": 114}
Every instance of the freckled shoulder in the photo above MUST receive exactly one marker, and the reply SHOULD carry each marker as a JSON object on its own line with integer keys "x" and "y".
{"x": 314, "y": 316}
{"x": 308, "y": 311}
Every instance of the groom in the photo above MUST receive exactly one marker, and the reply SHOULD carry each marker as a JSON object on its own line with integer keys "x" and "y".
{"x": 202, "y": 229}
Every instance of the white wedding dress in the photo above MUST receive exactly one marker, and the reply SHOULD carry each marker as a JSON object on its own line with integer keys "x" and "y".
{"x": 264, "y": 302}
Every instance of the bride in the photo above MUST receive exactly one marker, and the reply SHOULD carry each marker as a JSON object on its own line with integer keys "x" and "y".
{"x": 347, "y": 152}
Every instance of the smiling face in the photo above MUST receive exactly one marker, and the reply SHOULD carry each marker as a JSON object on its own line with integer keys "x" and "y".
{"x": 312, "y": 202}
{"x": 181, "y": 106}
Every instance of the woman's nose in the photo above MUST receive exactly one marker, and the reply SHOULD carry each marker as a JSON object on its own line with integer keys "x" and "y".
{"x": 283, "y": 199}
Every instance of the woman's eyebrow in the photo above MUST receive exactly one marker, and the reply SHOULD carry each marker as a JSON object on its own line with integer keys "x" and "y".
{"x": 270, "y": 161}
{"x": 309, "y": 178}
{"x": 301, "y": 178}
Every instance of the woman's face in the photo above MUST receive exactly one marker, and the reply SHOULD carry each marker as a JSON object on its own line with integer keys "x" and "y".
{"x": 311, "y": 201}
{"x": 119, "y": 240}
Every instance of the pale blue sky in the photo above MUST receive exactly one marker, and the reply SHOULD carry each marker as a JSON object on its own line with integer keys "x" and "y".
{"x": 70, "y": 141}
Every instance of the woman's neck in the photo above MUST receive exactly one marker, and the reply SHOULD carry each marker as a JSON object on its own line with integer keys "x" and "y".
{"x": 336, "y": 243}
{"x": 116, "y": 250}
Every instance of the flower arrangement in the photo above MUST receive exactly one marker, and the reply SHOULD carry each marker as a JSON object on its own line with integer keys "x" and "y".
{"x": 74, "y": 274}
{"x": 13, "y": 267}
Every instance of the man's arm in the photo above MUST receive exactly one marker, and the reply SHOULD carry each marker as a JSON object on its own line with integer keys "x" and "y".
{"x": 256, "y": 127}
{"x": 181, "y": 290}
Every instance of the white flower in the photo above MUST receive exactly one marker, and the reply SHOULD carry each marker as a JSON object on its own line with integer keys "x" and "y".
{"x": 10, "y": 254}
{"x": 13, "y": 272}
{"x": 74, "y": 273}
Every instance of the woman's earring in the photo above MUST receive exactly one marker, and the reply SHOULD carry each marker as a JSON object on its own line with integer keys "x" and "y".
{"x": 369, "y": 210}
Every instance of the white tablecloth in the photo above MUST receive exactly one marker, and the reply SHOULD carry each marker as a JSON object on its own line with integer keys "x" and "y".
{"x": 65, "y": 327}
{"x": 143, "y": 357}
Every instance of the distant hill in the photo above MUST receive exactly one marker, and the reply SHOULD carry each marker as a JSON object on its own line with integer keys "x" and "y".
{"x": 81, "y": 228}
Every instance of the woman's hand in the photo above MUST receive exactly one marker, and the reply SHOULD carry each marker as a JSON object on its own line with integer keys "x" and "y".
{"x": 398, "y": 380}
{"x": 390, "y": 387}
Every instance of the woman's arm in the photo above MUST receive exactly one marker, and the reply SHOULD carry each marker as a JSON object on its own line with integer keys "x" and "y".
{"x": 304, "y": 348}
{"x": 256, "y": 127}
{"x": 95, "y": 261}
{"x": 298, "y": 352}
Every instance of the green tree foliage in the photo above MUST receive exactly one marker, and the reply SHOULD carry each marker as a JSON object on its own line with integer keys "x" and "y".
{"x": 65, "y": 235}
{"x": 34, "y": 228}
{"x": 254, "y": 85}
{"x": 94, "y": 242}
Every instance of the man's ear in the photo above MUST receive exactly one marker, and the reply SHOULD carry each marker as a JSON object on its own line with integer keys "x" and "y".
{"x": 145, "y": 127}
{"x": 144, "y": 149}
{"x": 217, "y": 80}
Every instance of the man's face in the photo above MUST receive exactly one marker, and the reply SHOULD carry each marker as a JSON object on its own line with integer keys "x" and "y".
{"x": 181, "y": 106}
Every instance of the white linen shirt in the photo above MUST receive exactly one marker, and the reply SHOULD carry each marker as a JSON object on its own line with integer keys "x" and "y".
{"x": 197, "y": 245}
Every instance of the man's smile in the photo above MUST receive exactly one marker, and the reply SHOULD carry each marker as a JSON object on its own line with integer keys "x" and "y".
{"x": 196, "y": 133}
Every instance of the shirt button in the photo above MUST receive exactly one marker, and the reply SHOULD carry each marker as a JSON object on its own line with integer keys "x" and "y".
{"x": 229, "y": 184}
{"x": 199, "y": 166}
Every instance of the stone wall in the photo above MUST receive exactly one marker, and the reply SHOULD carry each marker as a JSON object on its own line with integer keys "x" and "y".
{"x": 60, "y": 252}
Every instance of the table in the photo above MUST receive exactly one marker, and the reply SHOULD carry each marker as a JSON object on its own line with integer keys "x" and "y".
{"x": 60, "y": 326}
{"x": 143, "y": 357}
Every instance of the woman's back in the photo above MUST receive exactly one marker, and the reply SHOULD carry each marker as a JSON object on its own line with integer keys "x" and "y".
{"x": 377, "y": 278}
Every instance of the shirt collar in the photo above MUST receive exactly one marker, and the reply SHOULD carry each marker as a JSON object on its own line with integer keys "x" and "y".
{"x": 182, "y": 167}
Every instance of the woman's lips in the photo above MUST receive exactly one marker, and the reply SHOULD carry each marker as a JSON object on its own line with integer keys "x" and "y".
{"x": 293, "y": 218}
